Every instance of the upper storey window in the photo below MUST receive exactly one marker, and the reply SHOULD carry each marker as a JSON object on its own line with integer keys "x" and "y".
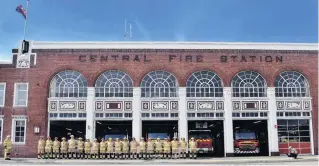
{"x": 204, "y": 84}
{"x": 68, "y": 83}
{"x": 114, "y": 83}
{"x": 291, "y": 84}
{"x": 249, "y": 84}
{"x": 159, "y": 84}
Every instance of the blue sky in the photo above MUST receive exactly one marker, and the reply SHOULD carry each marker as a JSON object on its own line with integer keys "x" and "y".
{"x": 160, "y": 20}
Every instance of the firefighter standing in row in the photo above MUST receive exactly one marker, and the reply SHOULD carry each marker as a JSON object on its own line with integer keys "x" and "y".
{"x": 118, "y": 148}
{"x": 142, "y": 149}
{"x": 48, "y": 148}
{"x": 192, "y": 148}
{"x": 102, "y": 148}
{"x": 95, "y": 149}
{"x": 71, "y": 149}
{"x": 167, "y": 148}
{"x": 87, "y": 149}
{"x": 41, "y": 148}
{"x": 80, "y": 148}
{"x": 64, "y": 148}
{"x": 150, "y": 148}
{"x": 56, "y": 148}
{"x": 175, "y": 145}
{"x": 182, "y": 146}
{"x": 159, "y": 148}
{"x": 125, "y": 148}
{"x": 110, "y": 148}
{"x": 7, "y": 144}
{"x": 133, "y": 148}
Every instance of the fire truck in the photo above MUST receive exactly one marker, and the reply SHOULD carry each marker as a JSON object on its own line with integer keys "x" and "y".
{"x": 203, "y": 136}
{"x": 246, "y": 142}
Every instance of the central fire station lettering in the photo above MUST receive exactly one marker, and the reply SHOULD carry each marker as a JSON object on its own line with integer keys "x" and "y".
{"x": 178, "y": 58}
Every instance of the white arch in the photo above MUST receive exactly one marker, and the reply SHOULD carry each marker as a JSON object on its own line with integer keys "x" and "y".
{"x": 68, "y": 83}
{"x": 114, "y": 83}
{"x": 159, "y": 84}
{"x": 291, "y": 84}
{"x": 249, "y": 84}
{"x": 204, "y": 84}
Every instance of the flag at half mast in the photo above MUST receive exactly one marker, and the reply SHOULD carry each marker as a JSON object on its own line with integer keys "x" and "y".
{"x": 22, "y": 11}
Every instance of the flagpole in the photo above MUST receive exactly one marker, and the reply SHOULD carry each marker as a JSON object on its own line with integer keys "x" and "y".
{"x": 25, "y": 21}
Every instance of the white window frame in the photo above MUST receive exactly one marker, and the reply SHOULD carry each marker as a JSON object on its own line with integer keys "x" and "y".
{"x": 16, "y": 95}
{"x": 13, "y": 131}
{"x": 4, "y": 94}
{"x": 2, "y": 128}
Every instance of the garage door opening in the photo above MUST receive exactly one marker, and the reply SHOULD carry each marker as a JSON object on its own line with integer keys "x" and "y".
{"x": 209, "y": 136}
{"x": 66, "y": 128}
{"x": 113, "y": 129}
{"x": 160, "y": 129}
{"x": 250, "y": 137}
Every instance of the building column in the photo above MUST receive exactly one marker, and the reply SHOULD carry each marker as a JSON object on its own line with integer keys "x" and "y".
{"x": 182, "y": 122}
{"x": 137, "y": 122}
{"x": 228, "y": 123}
{"x": 90, "y": 126}
{"x": 272, "y": 123}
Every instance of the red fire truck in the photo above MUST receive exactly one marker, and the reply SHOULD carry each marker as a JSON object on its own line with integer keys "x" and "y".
{"x": 203, "y": 136}
{"x": 246, "y": 142}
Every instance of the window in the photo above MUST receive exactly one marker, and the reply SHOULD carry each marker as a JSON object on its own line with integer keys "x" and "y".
{"x": 249, "y": 84}
{"x": 1, "y": 130}
{"x": 19, "y": 131}
{"x": 291, "y": 84}
{"x": 20, "y": 94}
{"x": 114, "y": 84}
{"x": 68, "y": 83}
{"x": 293, "y": 131}
{"x": 2, "y": 94}
{"x": 159, "y": 84}
{"x": 204, "y": 84}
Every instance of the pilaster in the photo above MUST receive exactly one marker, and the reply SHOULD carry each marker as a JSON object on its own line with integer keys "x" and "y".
{"x": 272, "y": 123}
{"x": 228, "y": 123}
{"x": 137, "y": 122}
{"x": 182, "y": 122}
{"x": 90, "y": 126}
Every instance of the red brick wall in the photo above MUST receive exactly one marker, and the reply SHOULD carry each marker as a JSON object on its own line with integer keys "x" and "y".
{"x": 51, "y": 62}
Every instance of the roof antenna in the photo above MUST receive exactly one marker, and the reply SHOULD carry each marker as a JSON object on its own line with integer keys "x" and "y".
{"x": 127, "y": 35}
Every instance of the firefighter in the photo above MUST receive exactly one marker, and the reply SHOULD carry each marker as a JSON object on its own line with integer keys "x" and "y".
{"x": 118, "y": 148}
{"x": 80, "y": 148}
{"x": 292, "y": 152}
{"x": 56, "y": 148}
{"x": 158, "y": 148}
{"x": 110, "y": 148}
{"x": 64, "y": 148}
{"x": 7, "y": 144}
{"x": 167, "y": 148}
{"x": 41, "y": 148}
{"x": 71, "y": 148}
{"x": 87, "y": 149}
{"x": 192, "y": 148}
{"x": 183, "y": 146}
{"x": 150, "y": 148}
{"x": 95, "y": 149}
{"x": 102, "y": 148}
{"x": 125, "y": 148}
{"x": 133, "y": 148}
{"x": 175, "y": 145}
{"x": 142, "y": 148}
{"x": 48, "y": 148}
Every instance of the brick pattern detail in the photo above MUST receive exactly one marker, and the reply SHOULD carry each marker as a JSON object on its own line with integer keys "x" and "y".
{"x": 50, "y": 62}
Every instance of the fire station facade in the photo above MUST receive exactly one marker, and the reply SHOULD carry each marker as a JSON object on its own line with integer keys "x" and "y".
{"x": 156, "y": 81}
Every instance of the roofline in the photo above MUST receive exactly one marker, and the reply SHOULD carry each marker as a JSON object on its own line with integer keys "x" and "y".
{"x": 172, "y": 45}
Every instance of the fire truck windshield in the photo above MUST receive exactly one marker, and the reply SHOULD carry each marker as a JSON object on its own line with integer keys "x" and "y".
{"x": 158, "y": 135}
{"x": 114, "y": 136}
{"x": 200, "y": 135}
{"x": 245, "y": 135}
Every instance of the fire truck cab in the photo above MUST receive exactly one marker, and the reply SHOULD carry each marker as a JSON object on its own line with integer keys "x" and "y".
{"x": 246, "y": 142}
{"x": 203, "y": 136}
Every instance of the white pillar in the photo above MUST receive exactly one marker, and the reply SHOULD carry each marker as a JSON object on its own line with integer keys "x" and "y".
{"x": 272, "y": 123}
{"x": 228, "y": 123}
{"x": 137, "y": 122}
{"x": 182, "y": 122}
{"x": 90, "y": 126}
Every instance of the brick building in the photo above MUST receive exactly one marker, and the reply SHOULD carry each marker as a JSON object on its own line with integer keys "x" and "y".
{"x": 140, "y": 84}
